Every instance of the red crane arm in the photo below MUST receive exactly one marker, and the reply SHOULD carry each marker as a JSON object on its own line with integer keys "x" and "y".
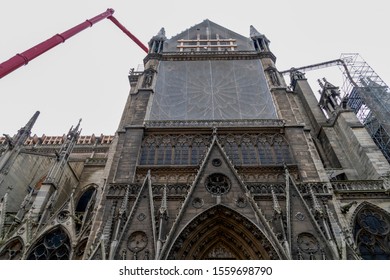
{"x": 23, "y": 58}
{"x": 127, "y": 32}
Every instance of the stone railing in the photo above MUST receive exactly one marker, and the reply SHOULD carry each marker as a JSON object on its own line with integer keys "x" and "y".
{"x": 317, "y": 187}
{"x": 279, "y": 188}
{"x": 369, "y": 185}
{"x": 266, "y": 188}
{"x": 258, "y": 189}
{"x": 216, "y": 123}
{"x": 119, "y": 190}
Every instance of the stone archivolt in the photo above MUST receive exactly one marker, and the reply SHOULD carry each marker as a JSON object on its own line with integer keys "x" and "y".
{"x": 221, "y": 227}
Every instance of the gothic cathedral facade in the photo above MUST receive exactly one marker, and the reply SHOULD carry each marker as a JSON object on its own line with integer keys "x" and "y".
{"x": 215, "y": 157}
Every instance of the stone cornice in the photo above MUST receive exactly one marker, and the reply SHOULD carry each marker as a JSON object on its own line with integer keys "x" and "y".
{"x": 209, "y": 55}
{"x": 215, "y": 123}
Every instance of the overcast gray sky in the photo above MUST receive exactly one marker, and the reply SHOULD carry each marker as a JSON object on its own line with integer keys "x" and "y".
{"x": 86, "y": 77}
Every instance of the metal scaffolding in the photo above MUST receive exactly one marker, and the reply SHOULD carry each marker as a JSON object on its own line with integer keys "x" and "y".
{"x": 366, "y": 94}
{"x": 369, "y": 97}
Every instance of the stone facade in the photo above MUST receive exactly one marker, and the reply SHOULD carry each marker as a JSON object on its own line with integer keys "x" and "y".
{"x": 284, "y": 179}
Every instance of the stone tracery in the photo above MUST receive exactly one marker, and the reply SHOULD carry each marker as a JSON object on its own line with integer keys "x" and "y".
{"x": 242, "y": 149}
{"x": 221, "y": 227}
{"x": 372, "y": 233}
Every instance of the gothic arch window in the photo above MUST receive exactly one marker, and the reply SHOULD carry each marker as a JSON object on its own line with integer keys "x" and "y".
{"x": 257, "y": 149}
{"x": 231, "y": 146}
{"x": 198, "y": 149}
{"x": 173, "y": 149}
{"x": 248, "y": 150}
{"x": 85, "y": 199}
{"x": 282, "y": 150}
{"x": 371, "y": 232}
{"x": 148, "y": 154}
{"x": 181, "y": 153}
{"x": 13, "y": 250}
{"x": 84, "y": 207}
{"x": 232, "y": 150}
{"x": 54, "y": 245}
{"x": 164, "y": 150}
{"x": 265, "y": 152}
{"x": 242, "y": 149}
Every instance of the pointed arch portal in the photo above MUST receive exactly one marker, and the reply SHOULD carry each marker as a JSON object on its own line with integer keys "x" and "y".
{"x": 221, "y": 233}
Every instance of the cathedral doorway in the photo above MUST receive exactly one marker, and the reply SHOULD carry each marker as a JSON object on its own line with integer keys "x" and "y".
{"x": 222, "y": 233}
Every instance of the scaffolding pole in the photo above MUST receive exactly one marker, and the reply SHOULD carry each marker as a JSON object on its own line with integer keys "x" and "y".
{"x": 369, "y": 97}
{"x": 366, "y": 94}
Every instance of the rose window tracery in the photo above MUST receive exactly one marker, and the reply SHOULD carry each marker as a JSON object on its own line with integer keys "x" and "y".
{"x": 53, "y": 246}
{"x": 372, "y": 234}
{"x": 137, "y": 241}
{"x": 13, "y": 251}
{"x": 217, "y": 184}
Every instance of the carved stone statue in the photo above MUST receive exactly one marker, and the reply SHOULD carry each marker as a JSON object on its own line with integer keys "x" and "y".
{"x": 274, "y": 77}
{"x": 148, "y": 78}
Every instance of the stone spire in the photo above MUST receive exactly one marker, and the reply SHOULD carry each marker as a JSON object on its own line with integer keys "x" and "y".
{"x": 163, "y": 219}
{"x": 25, "y": 131}
{"x": 330, "y": 99}
{"x": 157, "y": 42}
{"x": 254, "y": 33}
{"x": 63, "y": 155}
{"x": 260, "y": 41}
{"x": 15, "y": 144}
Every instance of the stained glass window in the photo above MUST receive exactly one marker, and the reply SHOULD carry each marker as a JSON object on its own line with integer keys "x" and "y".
{"x": 372, "y": 234}
{"x": 12, "y": 251}
{"x": 247, "y": 149}
{"x": 53, "y": 246}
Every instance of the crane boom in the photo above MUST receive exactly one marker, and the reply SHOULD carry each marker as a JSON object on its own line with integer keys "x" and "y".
{"x": 25, "y": 57}
{"x": 314, "y": 66}
{"x": 323, "y": 65}
{"x": 127, "y": 32}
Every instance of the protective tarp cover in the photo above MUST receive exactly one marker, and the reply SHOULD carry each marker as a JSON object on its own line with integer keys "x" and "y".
{"x": 211, "y": 90}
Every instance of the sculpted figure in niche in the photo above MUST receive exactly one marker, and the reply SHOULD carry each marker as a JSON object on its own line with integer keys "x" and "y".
{"x": 148, "y": 79}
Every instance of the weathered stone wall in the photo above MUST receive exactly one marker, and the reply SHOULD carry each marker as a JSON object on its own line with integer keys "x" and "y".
{"x": 366, "y": 157}
{"x": 27, "y": 170}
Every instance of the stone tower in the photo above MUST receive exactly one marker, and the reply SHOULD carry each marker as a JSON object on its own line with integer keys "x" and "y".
{"x": 215, "y": 157}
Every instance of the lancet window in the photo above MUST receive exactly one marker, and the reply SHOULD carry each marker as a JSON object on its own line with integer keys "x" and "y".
{"x": 84, "y": 207}
{"x": 174, "y": 149}
{"x": 242, "y": 149}
{"x": 257, "y": 149}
